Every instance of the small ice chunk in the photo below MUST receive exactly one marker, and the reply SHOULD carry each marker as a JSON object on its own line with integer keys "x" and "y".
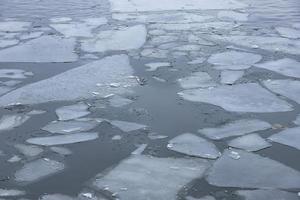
{"x": 118, "y": 101}
{"x": 197, "y": 80}
{"x": 230, "y": 77}
{"x": 235, "y": 128}
{"x": 41, "y": 168}
{"x": 11, "y": 192}
{"x": 36, "y": 112}
{"x": 232, "y": 15}
{"x": 12, "y": 73}
{"x": 29, "y": 150}
{"x": 67, "y": 127}
{"x": 72, "y": 111}
{"x": 252, "y": 142}
{"x": 14, "y": 26}
{"x": 193, "y": 145}
{"x": 239, "y": 98}
{"x": 117, "y": 137}
{"x": 7, "y": 43}
{"x": 8, "y": 122}
{"x": 156, "y": 65}
{"x": 202, "y": 198}
{"x": 288, "y": 32}
{"x": 287, "y": 88}
{"x": 14, "y": 159}
{"x": 127, "y": 126}
{"x": 61, "y": 150}
{"x": 289, "y": 137}
{"x": 140, "y": 149}
{"x": 252, "y": 171}
{"x": 155, "y": 136}
{"x": 285, "y": 66}
{"x": 266, "y": 194}
{"x": 56, "y": 197}
{"x": 63, "y": 139}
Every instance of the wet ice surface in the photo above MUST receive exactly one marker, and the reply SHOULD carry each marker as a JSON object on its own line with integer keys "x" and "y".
{"x": 251, "y": 142}
{"x": 290, "y": 137}
{"x": 266, "y": 194}
{"x": 72, "y": 111}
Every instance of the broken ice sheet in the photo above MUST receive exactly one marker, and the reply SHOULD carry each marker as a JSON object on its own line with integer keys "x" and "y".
{"x": 230, "y": 77}
{"x": 68, "y": 127}
{"x": 124, "y": 38}
{"x": 8, "y": 122}
{"x": 14, "y": 26}
{"x": 155, "y": 66}
{"x": 233, "y": 15}
{"x": 63, "y": 139}
{"x": 60, "y": 19}
{"x": 11, "y": 192}
{"x": 197, "y": 80}
{"x": 127, "y": 126}
{"x": 42, "y": 168}
{"x": 118, "y": 101}
{"x": 193, "y": 145}
{"x": 31, "y": 35}
{"x": 7, "y": 43}
{"x": 287, "y": 88}
{"x": 266, "y": 194}
{"x": 29, "y": 150}
{"x": 288, "y": 32}
{"x": 252, "y": 171}
{"x": 13, "y": 73}
{"x": 72, "y": 111}
{"x": 252, "y": 142}
{"x": 41, "y": 50}
{"x": 131, "y": 173}
{"x": 289, "y": 137}
{"x": 235, "y": 128}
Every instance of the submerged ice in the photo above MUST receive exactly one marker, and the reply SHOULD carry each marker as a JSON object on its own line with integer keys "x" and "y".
{"x": 289, "y": 137}
{"x": 68, "y": 127}
{"x": 72, "y": 111}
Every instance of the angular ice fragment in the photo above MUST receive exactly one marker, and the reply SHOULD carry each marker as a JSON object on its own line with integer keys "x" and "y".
{"x": 239, "y": 98}
{"x": 63, "y": 139}
{"x": 11, "y": 192}
{"x": 29, "y": 150}
{"x": 127, "y": 126}
{"x": 67, "y": 127}
{"x": 252, "y": 171}
{"x": 288, "y": 32}
{"x": 287, "y": 88}
{"x": 14, "y": 26}
{"x": 197, "y": 80}
{"x": 193, "y": 145}
{"x": 72, "y": 112}
{"x": 38, "y": 169}
{"x": 14, "y": 159}
{"x": 285, "y": 66}
{"x": 140, "y": 149}
{"x": 251, "y": 142}
{"x": 118, "y": 101}
{"x": 61, "y": 150}
{"x": 41, "y": 50}
{"x": 197, "y": 61}
{"x": 8, "y": 122}
{"x": 289, "y": 137}
{"x": 232, "y": 15}
{"x": 155, "y": 66}
{"x": 266, "y": 194}
{"x": 230, "y": 77}
{"x": 235, "y": 128}
{"x": 131, "y": 173}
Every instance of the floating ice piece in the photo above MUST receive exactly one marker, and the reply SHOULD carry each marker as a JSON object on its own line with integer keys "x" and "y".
{"x": 63, "y": 139}
{"x": 117, "y": 137}
{"x": 289, "y": 137}
{"x": 61, "y": 150}
{"x": 285, "y": 66}
{"x": 173, "y": 173}
{"x": 193, "y": 145}
{"x": 11, "y": 192}
{"x": 12, "y": 73}
{"x": 125, "y": 38}
{"x": 251, "y": 142}
{"x": 230, "y": 77}
{"x": 67, "y": 127}
{"x": 199, "y": 40}
{"x": 14, "y": 26}
{"x": 266, "y": 194}
{"x": 154, "y": 53}
{"x": 41, "y": 168}
{"x": 56, "y": 197}
{"x": 252, "y": 171}
{"x": 297, "y": 121}
{"x": 41, "y": 50}
{"x": 31, "y": 35}
{"x": 127, "y": 126}
{"x": 155, "y": 136}
{"x": 118, "y": 101}
{"x": 11, "y": 83}
{"x": 288, "y": 32}
{"x": 8, "y": 122}
{"x": 14, "y": 159}
{"x": 156, "y": 5}
{"x": 140, "y": 149}
{"x": 197, "y": 61}
{"x": 36, "y": 112}
{"x": 7, "y": 43}
{"x": 202, "y": 198}
{"x": 195, "y": 26}
{"x": 29, "y": 150}
{"x": 72, "y": 112}
{"x": 235, "y": 128}
{"x": 232, "y": 15}
{"x": 162, "y": 39}
{"x": 155, "y": 66}
{"x": 197, "y": 80}
{"x": 60, "y": 19}
{"x": 82, "y": 79}
{"x": 239, "y": 98}
{"x": 287, "y": 88}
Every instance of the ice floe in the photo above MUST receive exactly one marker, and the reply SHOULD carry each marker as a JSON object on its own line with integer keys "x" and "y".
{"x": 7, "y": 43}
{"x": 202, "y": 198}
{"x": 287, "y": 88}
{"x": 42, "y": 168}
{"x": 13, "y": 73}
{"x": 235, "y": 128}
{"x": 60, "y": 19}
{"x": 63, "y": 139}
{"x": 197, "y": 80}
{"x": 289, "y": 137}
{"x": 14, "y": 26}
{"x": 29, "y": 150}
{"x": 266, "y": 194}
{"x": 11, "y": 192}
{"x": 41, "y": 50}
{"x": 230, "y": 77}
{"x": 8, "y": 122}
{"x": 14, "y": 158}
{"x": 193, "y": 145}
{"x": 252, "y": 142}
{"x": 67, "y": 127}
{"x": 232, "y": 15}
{"x": 239, "y": 98}
{"x": 31, "y": 35}
{"x": 288, "y": 32}
{"x": 156, "y": 65}
{"x": 72, "y": 111}
{"x": 285, "y": 66}
{"x": 56, "y": 197}
{"x": 82, "y": 79}
{"x": 252, "y": 171}
{"x": 118, "y": 101}
{"x": 61, "y": 150}
{"x": 124, "y": 38}
{"x": 127, "y": 126}
{"x": 131, "y": 173}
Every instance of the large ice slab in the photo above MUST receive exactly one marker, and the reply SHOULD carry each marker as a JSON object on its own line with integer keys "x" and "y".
{"x": 287, "y": 88}
{"x": 29, "y": 150}
{"x": 193, "y": 145}
{"x": 161, "y": 5}
{"x": 125, "y": 38}
{"x": 43, "y": 49}
{"x": 251, "y": 142}
{"x": 197, "y": 80}
{"x": 289, "y": 137}
{"x": 127, "y": 126}
{"x": 8, "y": 122}
{"x": 266, "y": 194}
{"x": 72, "y": 111}
{"x": 38, "y": 169}
{"x": 63, "y": 139}
{"x": 230, "y": 77}
{"x": 127, "y": 180}
{"x": 239, "y": 98}
{"x": 235, "y": 128}
{"x": 84, "y": 80}
{"x": 285, "y": 66}
{"x": 252, "y": 171}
